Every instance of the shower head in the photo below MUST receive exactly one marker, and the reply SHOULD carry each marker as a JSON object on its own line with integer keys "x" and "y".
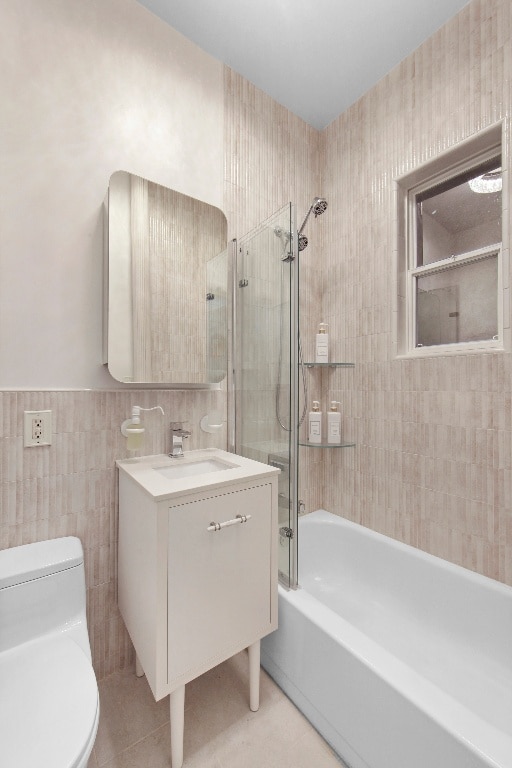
{"x": 303, "y": 242}
{"x": 318, "y": 206}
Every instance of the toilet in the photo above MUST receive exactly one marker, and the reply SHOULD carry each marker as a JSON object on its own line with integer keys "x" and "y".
{"x": 49, "y": 704}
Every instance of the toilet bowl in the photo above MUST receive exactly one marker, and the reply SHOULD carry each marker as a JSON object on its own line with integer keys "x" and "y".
{"x": 49, "y": 705}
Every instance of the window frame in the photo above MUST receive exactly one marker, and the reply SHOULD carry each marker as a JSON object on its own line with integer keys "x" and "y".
{"x": 463, "y": 158}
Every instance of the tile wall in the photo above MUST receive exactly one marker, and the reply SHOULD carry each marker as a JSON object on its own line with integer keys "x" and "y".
{"x": 272, "y": 158}
{"x": 432, "y": 465}
{"x": 70, "y": 487}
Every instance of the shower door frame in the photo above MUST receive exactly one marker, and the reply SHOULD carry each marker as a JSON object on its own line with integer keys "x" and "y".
{"x": 234, "y": 392}
{"x": 294, "y": 405}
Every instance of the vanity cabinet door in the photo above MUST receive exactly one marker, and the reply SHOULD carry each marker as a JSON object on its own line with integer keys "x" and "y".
{"x": 219, "y": 581}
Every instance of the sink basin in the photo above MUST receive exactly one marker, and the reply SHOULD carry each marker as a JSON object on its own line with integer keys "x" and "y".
{"x": 163, "y": 477}
{"x": 184, "y": 468}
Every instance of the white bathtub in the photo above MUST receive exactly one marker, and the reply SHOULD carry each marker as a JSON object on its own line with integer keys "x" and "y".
{"x": 399, "y": 659}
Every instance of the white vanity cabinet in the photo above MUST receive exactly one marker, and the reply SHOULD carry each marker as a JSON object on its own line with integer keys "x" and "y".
{"x": 228, "y": 573}
{"x": 197, "y": 568}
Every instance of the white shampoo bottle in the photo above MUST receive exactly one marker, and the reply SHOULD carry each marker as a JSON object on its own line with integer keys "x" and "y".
{"x": 334, "y": 424}
{"x": 322, "y": 344}
{"x": 315, "y": 424}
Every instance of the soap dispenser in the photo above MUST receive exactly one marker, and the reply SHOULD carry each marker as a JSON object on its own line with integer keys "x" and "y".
{"x": 334, "y": 424}
{"x": 132, "y": 428}
{"x": 315, "y": 424}
{"x": 322, "y": 344}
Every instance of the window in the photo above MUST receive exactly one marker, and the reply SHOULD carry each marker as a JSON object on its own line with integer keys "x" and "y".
{"x": 450, "y": 232}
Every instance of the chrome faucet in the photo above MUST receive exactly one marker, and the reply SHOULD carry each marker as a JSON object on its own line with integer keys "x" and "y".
{"x": 178, "y": 434}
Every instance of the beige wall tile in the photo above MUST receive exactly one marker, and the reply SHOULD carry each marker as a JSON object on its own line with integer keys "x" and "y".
{"x": 70, "y": 487}
{"x": 453, "y": 413}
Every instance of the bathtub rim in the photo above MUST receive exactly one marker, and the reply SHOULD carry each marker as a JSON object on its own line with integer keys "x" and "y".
{"x": 329, "y": 518}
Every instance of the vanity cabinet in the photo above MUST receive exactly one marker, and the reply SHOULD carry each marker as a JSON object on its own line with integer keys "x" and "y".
{"x": 228, "y": 573}
{"x": 194, "y": 591}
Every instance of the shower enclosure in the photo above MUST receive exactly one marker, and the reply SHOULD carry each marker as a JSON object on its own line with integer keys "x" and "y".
{"x": 265, "y": 356}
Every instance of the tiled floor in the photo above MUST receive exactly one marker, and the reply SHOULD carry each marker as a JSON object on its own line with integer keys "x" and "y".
{"x": 220, "y": 730}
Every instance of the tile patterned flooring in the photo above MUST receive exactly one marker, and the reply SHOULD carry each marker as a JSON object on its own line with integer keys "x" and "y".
{"x": 220, "y": 730}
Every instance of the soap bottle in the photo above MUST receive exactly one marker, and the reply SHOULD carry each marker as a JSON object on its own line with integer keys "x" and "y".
{"x": 135, "y": 436}
{"x": 133, "y": 430}
{"x": 334, "y": 424}
{"x": 315, "y": 424}
{"x": 322, "y": 344}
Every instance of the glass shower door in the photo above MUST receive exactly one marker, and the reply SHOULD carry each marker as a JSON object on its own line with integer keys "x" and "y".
{"x": 266, "y": 365}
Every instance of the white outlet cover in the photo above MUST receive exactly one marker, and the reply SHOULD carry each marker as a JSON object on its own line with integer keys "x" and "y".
{"x": 40, "y": 435}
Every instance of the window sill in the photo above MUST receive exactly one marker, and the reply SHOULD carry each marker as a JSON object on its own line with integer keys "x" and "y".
{"x": 443, "y": 350}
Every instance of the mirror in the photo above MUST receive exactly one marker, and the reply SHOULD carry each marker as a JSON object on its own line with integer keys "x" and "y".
{"x": 167, "y": 319}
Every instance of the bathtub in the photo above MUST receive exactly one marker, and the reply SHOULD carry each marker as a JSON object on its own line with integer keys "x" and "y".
{"x": 398, "y": 658}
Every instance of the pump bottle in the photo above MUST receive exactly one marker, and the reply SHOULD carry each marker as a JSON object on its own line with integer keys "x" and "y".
{"x": 315, "y": 424}
{"x": 322, "y": 344}
{"x": 334, "y": 424}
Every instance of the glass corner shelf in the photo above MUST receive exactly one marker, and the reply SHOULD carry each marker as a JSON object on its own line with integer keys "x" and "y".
{"x": 326, "y": 445}
{"x": 329, "y": 365}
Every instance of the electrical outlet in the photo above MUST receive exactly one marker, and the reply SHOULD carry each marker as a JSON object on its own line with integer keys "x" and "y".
{"x": 37, "y": 428}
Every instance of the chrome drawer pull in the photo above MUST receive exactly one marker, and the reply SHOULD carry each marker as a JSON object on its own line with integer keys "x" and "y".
{"x": 219, "y": 526}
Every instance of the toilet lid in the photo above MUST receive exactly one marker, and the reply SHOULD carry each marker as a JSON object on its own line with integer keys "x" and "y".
{"x": 48, "y": 704}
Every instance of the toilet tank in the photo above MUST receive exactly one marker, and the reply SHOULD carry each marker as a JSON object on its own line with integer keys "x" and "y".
{"x": 42, "y": 591}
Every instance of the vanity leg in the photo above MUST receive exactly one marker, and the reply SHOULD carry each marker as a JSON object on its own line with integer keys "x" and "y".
{"x": 254, "y": 676}
{"x": 177, "y": 704}
{"x": 138, "y": 667}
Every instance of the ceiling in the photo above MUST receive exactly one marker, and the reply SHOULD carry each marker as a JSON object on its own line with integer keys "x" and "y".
{"x": 315, "y": 57}
{"x": 459, "y": 209}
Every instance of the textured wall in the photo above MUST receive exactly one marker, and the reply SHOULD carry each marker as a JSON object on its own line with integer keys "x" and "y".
{"x": 273, "y": 157}
{"x": 432, "y": 465}
{"x": 70, "y": 487}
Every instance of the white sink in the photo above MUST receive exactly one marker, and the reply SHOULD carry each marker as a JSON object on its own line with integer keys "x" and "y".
{"x": 184, "y": 468}
{"x": 165, "y": 478}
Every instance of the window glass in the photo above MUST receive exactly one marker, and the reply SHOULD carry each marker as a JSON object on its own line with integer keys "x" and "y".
{"x": 459, "y": 215}
{"x": 459, "y": 303}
